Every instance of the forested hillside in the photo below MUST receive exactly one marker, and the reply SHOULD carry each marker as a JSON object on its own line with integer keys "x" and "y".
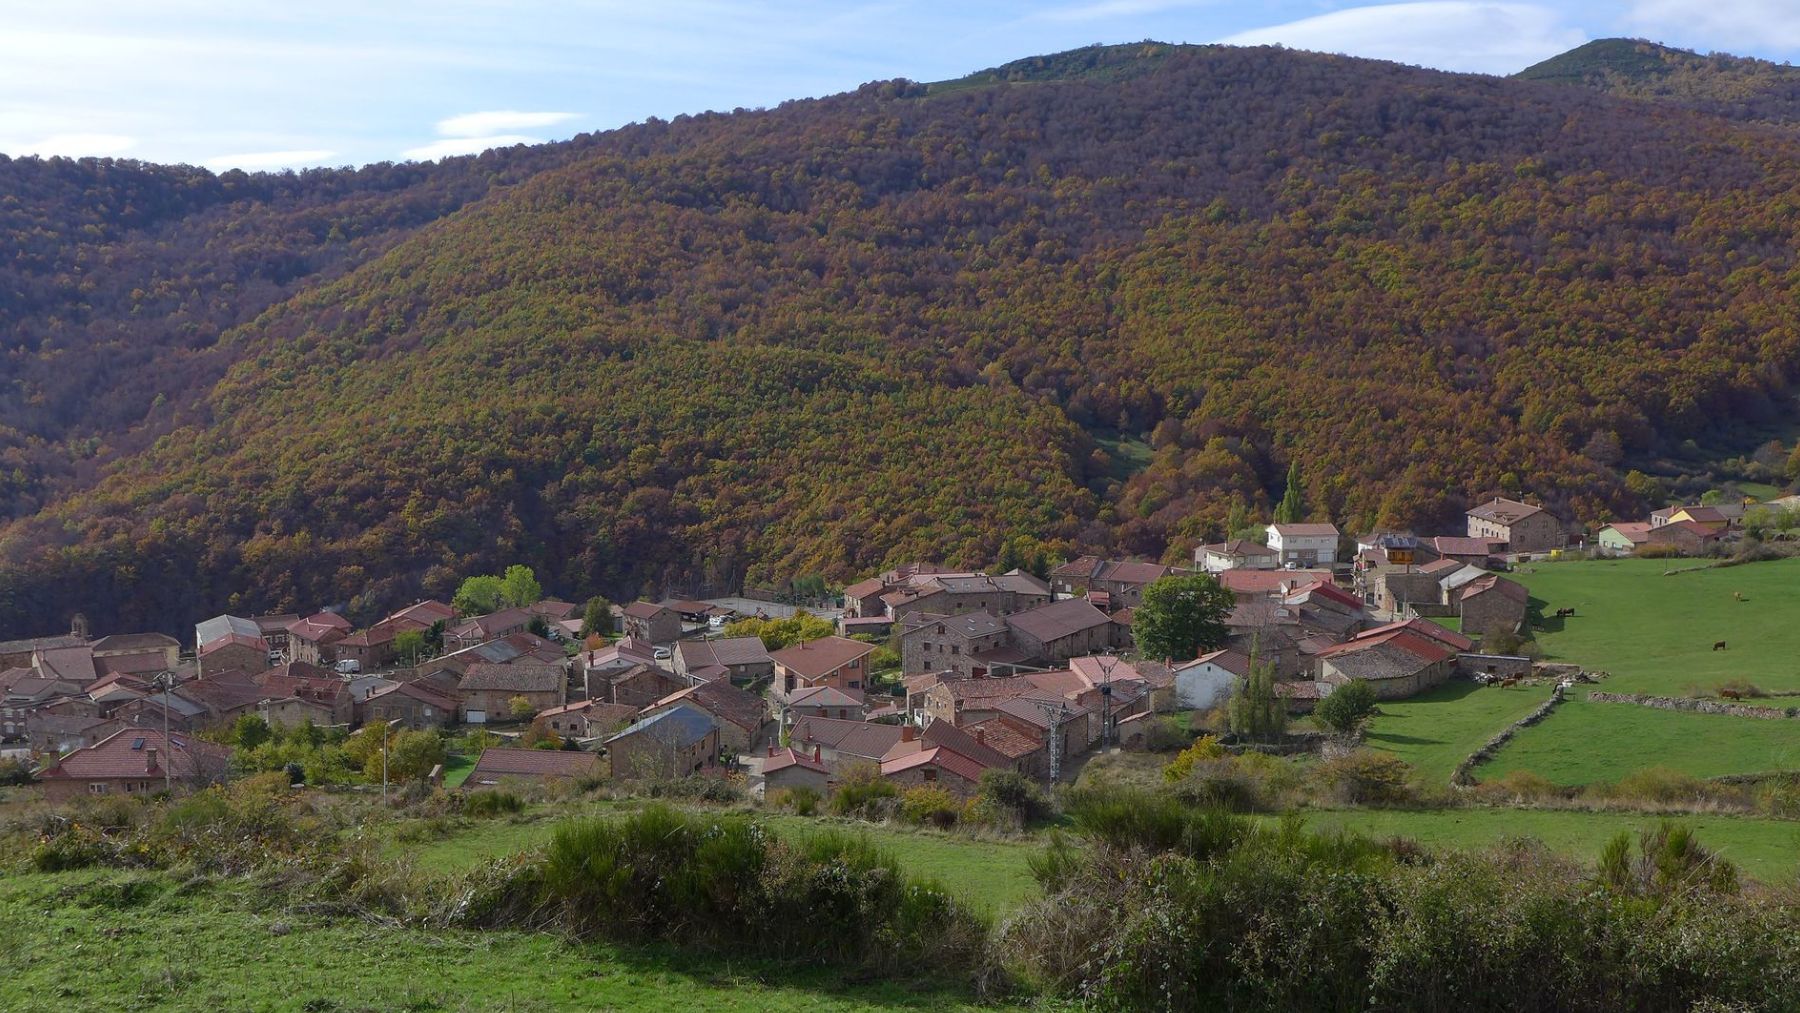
{"x": 898, "y": 323}
{"x": 1735, "y": 87}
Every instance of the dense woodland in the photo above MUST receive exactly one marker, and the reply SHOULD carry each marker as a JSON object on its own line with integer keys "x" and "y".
{"x": 901, "y": 322}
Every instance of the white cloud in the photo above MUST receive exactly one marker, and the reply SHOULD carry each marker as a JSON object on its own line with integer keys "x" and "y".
{"x": 78, "y": 145}
{"x": 1105, "y": 9}
{"x": 1732, "y": 25}
{"x": 498, "y": 121}
{"x": 464, "y": 146}
{"x": 1463, "y": 35}
{"x": 270, "y": 159}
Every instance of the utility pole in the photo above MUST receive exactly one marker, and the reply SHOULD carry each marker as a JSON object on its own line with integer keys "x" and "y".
{"x": 166, "y": 680}
{"x": 385, "y": 729}
{"x": 1056, "y": 712}
{"x": 1106, "y": 667}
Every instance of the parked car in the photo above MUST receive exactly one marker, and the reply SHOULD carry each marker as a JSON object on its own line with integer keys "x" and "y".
{"x": 663, "y": 654}
{"x": 348, "y": 666}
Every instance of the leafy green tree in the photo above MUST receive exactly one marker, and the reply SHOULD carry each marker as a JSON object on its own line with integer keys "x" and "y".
{"x": 478, "y": 596}
{"x": 538, "y": 626}
{"x": 1023, "y": 552}
{"x": 1347, "y": 706}
{"x": 434, "y": 637}
{"x": 1182, "y": 617}
{"x": 520, "y": 586}
{"x": 596, "y": 619}
{"x": 779, "y": 633}
{"x": 520, "y": 708}
{"x": 1292, "y": 508}
{"x": 411, "y": 755}
{"x": 410, "y": 644}
{"x": 250, "y": 731}
{"x": 1254, "y": 711}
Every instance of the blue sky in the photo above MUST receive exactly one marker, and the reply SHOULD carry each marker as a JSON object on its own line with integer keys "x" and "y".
{"x": 278, "y": 83}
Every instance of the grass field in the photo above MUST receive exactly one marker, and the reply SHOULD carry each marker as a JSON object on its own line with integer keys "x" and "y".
{"x": 158, "y": 947}
{"x": 1435, "y": 730}
{"x": 988, "y": 874}
{"x": 1585, "y": 742}
{"x": 456, "y": 769}
{"x": 1654, "y": 634}
{"x": 1767, "y": 849}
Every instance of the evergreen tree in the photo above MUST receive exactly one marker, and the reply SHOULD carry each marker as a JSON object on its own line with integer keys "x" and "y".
{"x": 1292, "y": 508}
{"x": 1255, "y": 712}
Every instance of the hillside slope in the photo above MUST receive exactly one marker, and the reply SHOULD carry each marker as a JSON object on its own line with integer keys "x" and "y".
{"x": 1736, "y": 87}
{"x": 892, "y": 323}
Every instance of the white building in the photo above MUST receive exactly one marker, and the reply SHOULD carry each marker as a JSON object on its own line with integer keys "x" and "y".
{"x": 1304, "y": 545}
{"x": 1235, "y": 554}
{"x": 1207, "y": 681}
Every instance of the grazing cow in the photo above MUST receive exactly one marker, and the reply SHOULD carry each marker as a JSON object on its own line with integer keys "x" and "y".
{"x": 1739, "y": 595}
{"x": 1509, "y": 682}
{"x": 1732, "y": 694}
{"x": 1718, "y": 645}
{"x": 1564, "y": 613}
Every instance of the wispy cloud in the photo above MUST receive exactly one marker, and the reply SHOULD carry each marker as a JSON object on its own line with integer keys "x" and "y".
{"x": 465, "y": 146}
{"x": 1105, "y": 10}
{"x": 498, "y": 121}
{"x": 1738, "y": 25}
{"x": 1465, "y": 35}
{"x": 78, "y": 145}
{"x": 270, "y": 159}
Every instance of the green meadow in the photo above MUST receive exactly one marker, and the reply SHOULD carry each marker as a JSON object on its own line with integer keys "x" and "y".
{"x": 1435, "y": 730}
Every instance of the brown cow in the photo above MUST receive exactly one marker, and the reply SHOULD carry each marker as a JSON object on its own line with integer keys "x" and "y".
{"x": 1509, "y": 682}
{"x": 1718, "y": 645}
{"x": 1732, "y": 694}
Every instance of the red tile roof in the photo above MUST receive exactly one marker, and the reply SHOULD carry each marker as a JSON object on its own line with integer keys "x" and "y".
{"x": 818, "y": 658}
{"x": 1058, "y": 619}
{"x": 786, "y": 757}
{"x": 126, "y": 753}
{"x": 1504, "y": 511}
{"x": 940, "y": 757}
{"x": 501, "y": 762}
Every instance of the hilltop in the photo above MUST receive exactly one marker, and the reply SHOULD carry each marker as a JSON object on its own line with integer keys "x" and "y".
{"x": 1098, "y": 298}
{"x": 1736, "y": 87}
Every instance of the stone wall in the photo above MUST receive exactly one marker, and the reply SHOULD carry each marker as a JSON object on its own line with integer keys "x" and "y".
{"x": 1461, "y": 778}
{"x": 1670, "y": 703}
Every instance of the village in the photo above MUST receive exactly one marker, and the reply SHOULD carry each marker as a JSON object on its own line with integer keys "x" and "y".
{"x": 928, "y": 675}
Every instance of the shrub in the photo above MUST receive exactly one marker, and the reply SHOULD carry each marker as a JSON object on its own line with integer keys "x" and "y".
{"x": 1741, "y": 688}
{"x": 1013, "y": 794}
{"x": 1205, "y": 747}
{"x": 925, "y": 804}
{"x": 1218, "y": 784}
{"x": 14, "y": 772}
{"x": 862, "y": 792}
{"x": 1163, "y": 735}
{"x": 1670, "y": 859}
{"x": 803, "y": 800}
{"x": 491, "y": 802}
{"x": 1519, "y": 786}
{"x": 1346, "y": 707}
{"x": 1366, "y": 777}
{"x": 1659, "y": 786}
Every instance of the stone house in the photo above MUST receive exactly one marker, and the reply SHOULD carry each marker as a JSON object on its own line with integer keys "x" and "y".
{"x": 824, "y": 702}
{"x": 935, "y": 767}
{"x": 487, "y": 691}
{"x": 133, "y": 761}
{"x": 310, "y": 639}
{"x": 951, "y": 594}
{"x": 1122, "y": 581}
{"x": 1523, "y": 527}
{"x": 55, "y": 734}
{"x": 493, "y": 626}
{"x": 651, "y": 623}
{"x": 586, "y": 719}
{"x": 670, "y": 744}
{"x": 1492, "y": 604}
{"x": 960, "y": 644}
{"x": 374, "y": 647}
{"x": 416, "y": 706}
{"x": 742, "y": 719}
{"x": 785, "y": 770}
{"x": 1396, "y": 664}
{"x": 1686, "y": 537}
{"x": 1061, "y": 630}
{"x": 165, "y": 649}
{"x": 638, "y": 685}
{"x": 837, "y": 662}
{"x": 841, "y": 744}
{"x": 744, "y": 660}
{"x": 234, "y": 652}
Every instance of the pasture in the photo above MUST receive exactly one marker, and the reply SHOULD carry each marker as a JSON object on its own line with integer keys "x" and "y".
{"x": 1435, "y": 730}
{"x": 1585, "y": 743}
{"x": 1655, "y": 633}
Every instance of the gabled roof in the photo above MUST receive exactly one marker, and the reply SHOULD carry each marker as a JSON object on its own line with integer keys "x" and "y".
{"x": 1635, "y": 532}
{"x": 1007, "y": 736}
{"x": 1245, "y": 581}
{"x": 609, "y": 715}
{"x": 823, "y": 696}
{"x": 492, "y": 623}
{"x": 680, "y": 725}
{"x": 1425, "y": 628}
{"x": 252, "y": 641}
{"x": 1305, "y": 530}
{"x": 417, "y": 691}
{"x": 1235, "y": 662}
{"x": 1057, "y": 619}
{"x": 725, "y": 651}
{"x": 645, "y": 610}
{"x": 75, "y": 663}
{"x": 135, "y": 642}
{"x": 1496, "y": 584}
{"x": 319, "y": 626}
{"x": 1239, "y": 547}
{"x": 143, "y": 663}
{"x": 854, "y": 738}
{"x": 208, "y": 630}
{"x": 723, "y": 701}
{"x": 427, "y": 612}
{"x": 1504, "y": 511}
{"x": 786, "y": 757}
{"x": 939, "y": 756}
{"x": 817, "y": 658}
{"x": 864, "y": 588}
{"x": 524, "y": 677}
{"x": 969, "y": 625}
{"x": 1131, "y": 572}
{"x": 499, "y": 762}
{"x": 1453, "y": 545}
{"x": 126, "y": 753}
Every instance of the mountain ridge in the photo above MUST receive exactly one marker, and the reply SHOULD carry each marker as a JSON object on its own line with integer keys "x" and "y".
{"x": 821, "y": 337}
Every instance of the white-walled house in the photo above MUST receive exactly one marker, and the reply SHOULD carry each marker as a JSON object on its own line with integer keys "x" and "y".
{"x": 1234, "y": 554}
{"x": 1304, "y": 545}
{"x": 1207, "y": 681}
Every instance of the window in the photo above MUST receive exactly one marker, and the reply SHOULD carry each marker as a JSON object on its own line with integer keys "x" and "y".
{"x": 930, "y": 774}
{"x": 97, "y": 787}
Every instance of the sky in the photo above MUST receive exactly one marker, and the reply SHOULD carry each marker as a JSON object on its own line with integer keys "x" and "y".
{"x": 269, "y": 84}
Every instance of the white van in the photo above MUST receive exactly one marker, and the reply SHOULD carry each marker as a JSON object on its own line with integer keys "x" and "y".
{"x": 348, "y": 666}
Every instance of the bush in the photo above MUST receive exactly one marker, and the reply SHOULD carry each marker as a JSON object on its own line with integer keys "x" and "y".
{"x": 1366, "y": 777}
{"x": 1205, "y": 747}
{"x": 1742, "y": 688}
{"x": 1519, "y": 786}
{"x": 1163, "y": 735}
{"x": 15, "y": 772}
{"x": 804, "y": 801}
{"x": 1346, "y": 707}
{"x": 863, "y": 792}
{"x": 929, "y": 805}
{"x": 491, "y": 802}
{"x": 1013, "y": 795}
{"x": 1660, "y": 786}
{"x": 1219, "y": 784}
{"x": 1670, "y": 859}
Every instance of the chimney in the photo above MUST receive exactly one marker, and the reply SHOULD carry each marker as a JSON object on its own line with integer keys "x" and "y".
{"x": 150, "y": 760}
{"x": 908, "y": 733}
{"x": 981, "y": 736}
{"x": 771, "y": 751}
{"x": 818, "y": 754}
{"x": 978, "y": 672}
